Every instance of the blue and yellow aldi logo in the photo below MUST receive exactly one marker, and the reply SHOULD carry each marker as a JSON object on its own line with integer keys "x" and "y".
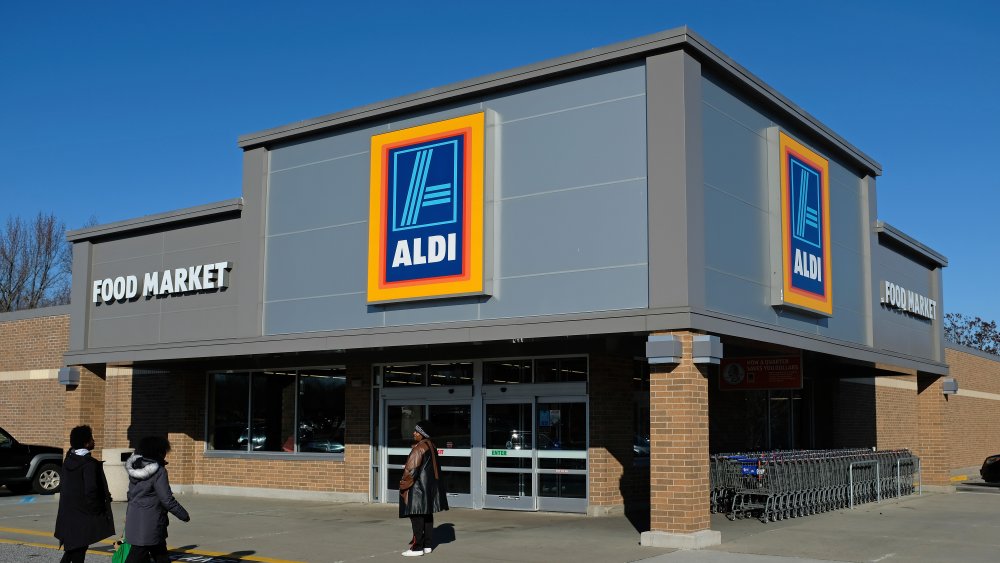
{"x": 425, "y": 236}
{"x": 805, "y": 227}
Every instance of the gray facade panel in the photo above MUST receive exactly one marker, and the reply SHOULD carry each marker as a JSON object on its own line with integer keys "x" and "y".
{"x": 739, "y": 221}
{"x": 318, "y": 263}
{"x": 584, "y": 247}
{"x": 344, "y": 143}
{"x": 432, "y": 311}
{"x": 336, "y": 312}
{"x": 739, "y": 296}
{"x": 736, "y": 155}
{"x": 579, "y": 147}
{"x": 331, "y": 192}
{"x": 579, "y": 229}
{"x": 737, "y": 239}
{"x": 566, "y": 93}
{"x": 591, "y": 290}
{"x": 202, "y": 236}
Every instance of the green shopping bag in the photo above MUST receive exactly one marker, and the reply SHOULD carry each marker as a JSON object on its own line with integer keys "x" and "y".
{"x": 121, "y": 552}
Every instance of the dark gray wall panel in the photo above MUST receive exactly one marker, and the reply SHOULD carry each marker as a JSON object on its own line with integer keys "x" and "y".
{"x": 894, "y": 329}
{"x": 144, "y": 321}
{"x": 738, "y": 222}
{"x": 574, "y": 228}
{"x": 194, "y": 324}
{"x": 570, "y": 212}
{"x": 124, "y": 331}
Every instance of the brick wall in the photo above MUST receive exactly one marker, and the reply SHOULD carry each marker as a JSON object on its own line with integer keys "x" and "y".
{"x": 85, "y": 405}
{"x": 611, "y": 429}
{"x": 679, "y": 488}
{"x": 35, "y": 343}
{"x": 972, "y": 417}
{"x": 31, "y": 399}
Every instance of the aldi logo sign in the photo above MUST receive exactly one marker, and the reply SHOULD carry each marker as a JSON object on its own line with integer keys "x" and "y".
{"x": 425, "y": 235}
{"x": 805, "y": 227}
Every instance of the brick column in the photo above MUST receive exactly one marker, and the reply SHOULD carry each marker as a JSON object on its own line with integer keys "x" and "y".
{"x": 611, "y": 429}
{"x": 357, "y": 448}
{"x": 85, "y": 405}
{"x": 679, "y": 486}
{"x": 933, "y": 449}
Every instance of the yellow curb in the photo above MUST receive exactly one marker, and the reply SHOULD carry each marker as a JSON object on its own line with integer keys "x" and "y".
{"x": 22, "y": 531}
{"x": 960, "y": 478}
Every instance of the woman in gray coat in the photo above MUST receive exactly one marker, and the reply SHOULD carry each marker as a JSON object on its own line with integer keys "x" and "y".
{"x": 149, "y": 500}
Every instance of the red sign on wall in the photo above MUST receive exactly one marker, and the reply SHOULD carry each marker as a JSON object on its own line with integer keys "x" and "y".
{"x": 765, "y": 372}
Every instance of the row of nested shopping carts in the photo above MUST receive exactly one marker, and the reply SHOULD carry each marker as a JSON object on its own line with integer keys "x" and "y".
{"x": 775, "y": 485}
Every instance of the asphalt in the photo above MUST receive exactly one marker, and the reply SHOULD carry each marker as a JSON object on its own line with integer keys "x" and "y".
{"x": 934, "y": 527}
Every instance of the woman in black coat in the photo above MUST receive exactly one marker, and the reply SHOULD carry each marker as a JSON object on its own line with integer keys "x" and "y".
{"x": 149, "y": 500}
{"x": 421, "y": 491}
{"x": 84, "y": 515}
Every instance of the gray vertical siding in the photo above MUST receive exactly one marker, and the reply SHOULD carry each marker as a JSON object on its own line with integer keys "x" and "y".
{"x": 570, "y": 212}
{"x": 737, "y": 223}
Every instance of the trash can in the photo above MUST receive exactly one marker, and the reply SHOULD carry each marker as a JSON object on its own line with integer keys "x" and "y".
{"x": 114, "y": 472}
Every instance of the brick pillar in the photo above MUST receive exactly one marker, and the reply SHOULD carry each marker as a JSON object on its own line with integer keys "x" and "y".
{"x": 85, "y": 405}
{"x": 933, "y": 450}
{"x": 679, "y": 486}
{"x": 611, "y": 429}
{"x": 117, "y": 407}
{"x": 357, "y": 449}
{"x": 187, "y": 418}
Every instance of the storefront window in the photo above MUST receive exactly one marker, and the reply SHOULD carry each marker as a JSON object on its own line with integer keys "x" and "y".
{"x": 507, "y": 372}
{"x": 277, "y": 411}
{"x": 560, "y": 370}
{"x": 404, "y": 376}
{"x": 449, "y": 374}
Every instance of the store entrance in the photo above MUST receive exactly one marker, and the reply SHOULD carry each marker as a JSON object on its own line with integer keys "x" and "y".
{"x": 506, "y": 444}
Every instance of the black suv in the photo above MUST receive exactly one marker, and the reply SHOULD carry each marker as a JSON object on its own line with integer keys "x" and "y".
{"x": 24, "y": 467}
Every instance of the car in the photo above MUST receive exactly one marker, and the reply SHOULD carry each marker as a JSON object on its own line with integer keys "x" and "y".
{"x": 25, "y": 467}
{"x": 990, "y": 471}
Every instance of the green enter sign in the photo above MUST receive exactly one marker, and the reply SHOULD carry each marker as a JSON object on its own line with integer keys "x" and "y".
{"x": 498, "y": 452}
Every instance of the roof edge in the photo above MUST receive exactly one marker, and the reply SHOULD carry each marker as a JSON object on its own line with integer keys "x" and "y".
{"x": 157, "y": 220}
{"x": 910, "y": 243}
{"x": 680, "y": 37}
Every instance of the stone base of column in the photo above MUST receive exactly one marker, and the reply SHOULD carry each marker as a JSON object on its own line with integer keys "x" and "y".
{"x": 605, "y": 510}
{"x": 694, "y": 540}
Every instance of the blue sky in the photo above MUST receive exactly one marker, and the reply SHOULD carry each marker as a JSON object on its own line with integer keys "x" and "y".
{"x": 121, "y": 109}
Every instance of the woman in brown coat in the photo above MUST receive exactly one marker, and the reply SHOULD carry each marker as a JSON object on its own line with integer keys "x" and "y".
{"x": 421, "y": 491}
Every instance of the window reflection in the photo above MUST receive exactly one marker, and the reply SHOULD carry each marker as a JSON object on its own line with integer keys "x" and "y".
{"x": 278, "y": 411}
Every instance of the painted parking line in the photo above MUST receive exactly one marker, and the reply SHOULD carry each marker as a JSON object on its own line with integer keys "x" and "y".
{"x": 960, "y": 478}
{"x": 186, "y": 555}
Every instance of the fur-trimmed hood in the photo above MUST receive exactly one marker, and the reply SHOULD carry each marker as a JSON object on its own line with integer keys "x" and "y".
{"x": 141, "y": 468}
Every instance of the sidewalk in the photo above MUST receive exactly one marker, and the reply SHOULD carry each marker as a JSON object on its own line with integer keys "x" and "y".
{"x": 932, "y": 527}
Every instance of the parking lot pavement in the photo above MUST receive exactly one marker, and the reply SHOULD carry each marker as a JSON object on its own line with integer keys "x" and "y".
{"x": 932, "y": 527}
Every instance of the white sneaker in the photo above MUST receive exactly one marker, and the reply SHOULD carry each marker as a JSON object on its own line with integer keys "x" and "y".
{"x": 427, "y": 550}
{"x": 411, "y": 553}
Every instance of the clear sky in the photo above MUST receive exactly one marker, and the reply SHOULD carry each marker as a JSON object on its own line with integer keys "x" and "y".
{"x": 115, "y": 110}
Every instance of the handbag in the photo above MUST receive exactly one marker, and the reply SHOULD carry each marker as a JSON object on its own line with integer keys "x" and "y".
{"x": 122, "y": 550}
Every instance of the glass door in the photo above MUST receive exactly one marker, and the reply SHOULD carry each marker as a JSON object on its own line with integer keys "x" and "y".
{"x": 451, "y": 424}
{"x": 509, "y": 448}
{"x": 561, "y": 441}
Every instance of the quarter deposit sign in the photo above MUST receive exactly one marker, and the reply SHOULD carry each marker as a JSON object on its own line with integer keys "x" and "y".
{"x": 769, "y": 372}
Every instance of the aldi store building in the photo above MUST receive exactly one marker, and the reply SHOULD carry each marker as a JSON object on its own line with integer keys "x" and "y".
{"x": 588, "y": 273}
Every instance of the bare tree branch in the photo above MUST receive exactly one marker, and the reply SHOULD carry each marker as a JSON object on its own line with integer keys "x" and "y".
{"x": 35, "y": 263}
